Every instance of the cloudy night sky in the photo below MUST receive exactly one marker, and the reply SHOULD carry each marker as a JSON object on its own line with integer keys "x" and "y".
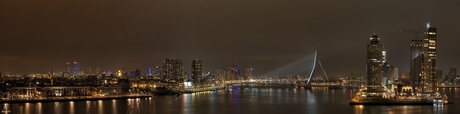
{"x": 37, "y": 36}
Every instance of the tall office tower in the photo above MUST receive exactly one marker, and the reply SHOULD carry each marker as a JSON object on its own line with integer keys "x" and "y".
{"x": 374, "y": 65}
{"x": 235, "y": 71}
{"x": 149, "y": 72}
{"x": 452, "y": 75}
{"x": 428, "y": 78}
{"x": 248, "y": 73}
{"x": 439, "y": 77}
{"x": 385, "y": 68}
{"x": 172, "y": 69}
{"x": 416, "y": 49}
{"x": 196, "y": 69}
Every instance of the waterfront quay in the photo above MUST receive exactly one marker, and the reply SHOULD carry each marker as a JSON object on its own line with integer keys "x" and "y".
{"x": 64, "y": 99}
{"x": 364, "y": 97}
{"x": 47, "y": 88}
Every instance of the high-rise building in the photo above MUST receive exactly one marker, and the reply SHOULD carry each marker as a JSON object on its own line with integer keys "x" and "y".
{"x": 393, "y": 73}
{"x": 149, "y": 72}
{"x": 428, "y": 77}
{"x": 235, "y": 71}
{"x": 396, "y": 73}
{"x": 119, "y": 73}
{"x": 374, "y": 65}
{"x": 248, "y": 73}
{"x": 137, "y": 72}
{"x": 157, "y": 71}
{"x": 196, "y": 69}
{"x": 452, "y": 72}
{"x": 385, "y": 68}
{"x": 224, "y": 73}
{"x": 451, "y": 76}
{"x": 439, "y": 77}
{"x": 416, "y": 48}
{"x": 172, "y": 69}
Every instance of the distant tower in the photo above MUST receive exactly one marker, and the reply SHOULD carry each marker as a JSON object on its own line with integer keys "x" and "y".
{"x": 68, "y": 67}
{"x": 136, "y": 72}
{"x": 374, "y": 65}
{"x": 248, "y": 73}
{"x": 196, "y": 69}
{"x": 75, "y": 68}
{"x": 428, "y": 77}
{"x": 235, "y": 71}
{"x": 452, "y": 74}
{"x": 149, "y": 72}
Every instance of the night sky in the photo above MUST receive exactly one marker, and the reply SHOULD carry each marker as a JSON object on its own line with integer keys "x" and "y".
{"x": 37, "y": 36}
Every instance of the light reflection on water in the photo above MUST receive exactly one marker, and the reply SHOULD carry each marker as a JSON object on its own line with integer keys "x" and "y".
{"x": 38, "y": 108}
{"x": 242, "y": 99}
{"x": 71, "y": 107}
{"x": 114, "y": 106}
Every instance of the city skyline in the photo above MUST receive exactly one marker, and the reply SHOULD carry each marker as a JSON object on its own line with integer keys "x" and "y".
{"x": 43, "y": 35}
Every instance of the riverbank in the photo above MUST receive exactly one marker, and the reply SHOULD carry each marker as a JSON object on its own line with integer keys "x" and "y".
{"x": 390, "y": 102}
{"x": 67, "y": 99}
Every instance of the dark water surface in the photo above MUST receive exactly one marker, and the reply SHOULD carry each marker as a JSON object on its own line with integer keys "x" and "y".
{"x": 243, "y": 99}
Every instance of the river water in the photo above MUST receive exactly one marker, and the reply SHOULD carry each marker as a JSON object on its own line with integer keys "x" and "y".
{"x": 242, "y": 99}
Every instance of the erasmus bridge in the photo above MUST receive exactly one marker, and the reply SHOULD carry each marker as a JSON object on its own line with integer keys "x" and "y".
{"x": 300, "y": 73}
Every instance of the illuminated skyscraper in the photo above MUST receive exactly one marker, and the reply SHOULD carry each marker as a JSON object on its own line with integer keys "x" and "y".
{"x": 172, "y": 69}
{"x": 385, "y": 68}
{"x": 119, "y": 73}
{"x": 196, "y": 69}
{"x": 374, "y": 65}
{"x": 428, "y": 77}
{"x": 149, "y": 72}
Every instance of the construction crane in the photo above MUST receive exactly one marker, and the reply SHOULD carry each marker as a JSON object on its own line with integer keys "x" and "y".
{"x": 415, "y": 31}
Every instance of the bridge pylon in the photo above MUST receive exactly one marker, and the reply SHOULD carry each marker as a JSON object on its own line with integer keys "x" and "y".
{"x": 316, "y": 60}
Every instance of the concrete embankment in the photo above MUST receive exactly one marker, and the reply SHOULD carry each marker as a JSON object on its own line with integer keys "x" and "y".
{"x": 63, "y": 99}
